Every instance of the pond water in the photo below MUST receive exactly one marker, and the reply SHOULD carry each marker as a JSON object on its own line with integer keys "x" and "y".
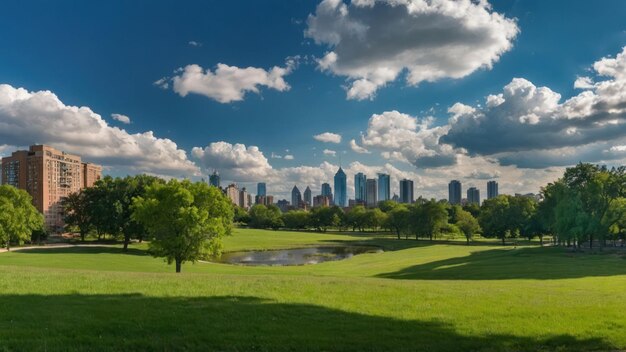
{"x": 298, "y": 256}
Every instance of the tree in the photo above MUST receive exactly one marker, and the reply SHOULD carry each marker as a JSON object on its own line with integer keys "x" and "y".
{"x": 77, "y": 213}
{"x": 398, "y": 220}
{"x": 296, "y": 219}
{"x": 240, "y": 215}
{"x": 263, "y": 217}
{"x": 494, "y": 217}
{"x": 615, "y": 219}
{"x": 18, "y": 217}
{"x": 375, "y": 218}
{"x": 428, "y": 218}
{"x": 324, "y": 217}
{"x": 185, "y": 220}
{"x": 387, "y": 205}
{"x": 355, "y": 217}
{"x": 467, "y": 223}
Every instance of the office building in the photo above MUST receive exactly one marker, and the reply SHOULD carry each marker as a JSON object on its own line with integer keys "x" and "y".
{"x": 326, "y": 191}
{"x": 48, "y": 175}
{"x": 492, "y": 189}
{"x": 296, "y": 197}
{"x": 473, "y": 195}
{"x": 341, "y": 197}
{"x": 384, "y": 187}
{"x": 321, "y": 201}
{"x": 454, "y": 192}
{"x": 244, "y": 200}
{"x": 308, "y": 199}
{"x": 232, "y": 192}
{"x": 359, "y": 187}
{"x": 261, "y": 189}
{"x": 371, "y": 192}
{"x": 214, "y": 179}
{"x": 406, "y": 191}
{"x": 283, "y": 205}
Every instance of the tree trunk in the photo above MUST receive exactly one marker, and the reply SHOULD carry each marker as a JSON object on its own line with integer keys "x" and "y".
{"x": 503, "y": 243}
{"x": 82, "y": 236}
{"x": 178, "y": 265}
{"x": 468, "y": 240}
{"x": 541, "y": 240}
{"x": 590, "y": 242}
{"x": 398, "y": 233}
{"x": 126, "y": 241}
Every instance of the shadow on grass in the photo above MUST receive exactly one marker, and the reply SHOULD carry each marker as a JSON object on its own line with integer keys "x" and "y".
{"x": 541, "y": 263}
{"x": 136, "y": 322}
{"x": 95, "y": 249}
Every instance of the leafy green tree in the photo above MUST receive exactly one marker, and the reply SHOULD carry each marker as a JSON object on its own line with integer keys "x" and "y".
{"x": 428, "y": 218}
{"x": 76, "y": 213}
{"x": 375, "y": 218}
{"x": 240, "y": 215}
{"x": 398, "y": 220}
{"x": 18, "y": 217}
{"x": 494, "y": 217}
{"x": 467, "y": 224}
{"x": 323, "y": 218}
{"x": 615, "y": 218}
{"x": 521, "y": 212}
{"x": 355, "y": 218}
{"x": 387, "y": 205}
{"x": 263, "y": 217}
{"x": 186, "y": 221}
{"x": 296, "y": 219}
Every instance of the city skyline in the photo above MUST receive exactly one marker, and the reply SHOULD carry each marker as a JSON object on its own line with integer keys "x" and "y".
{"x": 514, "y": 109}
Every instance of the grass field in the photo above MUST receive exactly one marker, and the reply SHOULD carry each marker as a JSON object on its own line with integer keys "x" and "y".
{"x": 414, "y": 296}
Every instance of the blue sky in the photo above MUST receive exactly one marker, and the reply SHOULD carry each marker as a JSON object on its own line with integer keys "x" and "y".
{"x": 107, "y": 55}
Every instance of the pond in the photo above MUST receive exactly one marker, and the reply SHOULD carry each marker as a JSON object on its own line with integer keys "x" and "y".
{"x": 298, "y": 256}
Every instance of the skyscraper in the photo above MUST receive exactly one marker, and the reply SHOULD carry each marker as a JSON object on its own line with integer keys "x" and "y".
{"x": 406, "y": 191}
{"x": 327, "y": 192}
{"x": 308, "y": 197}
{"x": 341, "y": 198}
{"x": 359, "y": 186}
{"x": 261, "y": 189}
{"x": 296, "y": 197}
{"x": 214, "y": 179}
{"x": 243, "y": 198}
{"x": 232, "y": 192}
{"x": 492, "y": 189}
{"x": 473, "y": 195}
{"x": 384, "y": 187}
{"x": 454, "y": 192}
{"x": 371, "y": 193}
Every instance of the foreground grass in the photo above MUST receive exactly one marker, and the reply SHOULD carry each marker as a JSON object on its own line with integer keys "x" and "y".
{"x": 415, "y": 296}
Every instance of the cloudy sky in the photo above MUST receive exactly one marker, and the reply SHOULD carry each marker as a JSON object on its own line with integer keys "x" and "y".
{"x": 285, "y": 91}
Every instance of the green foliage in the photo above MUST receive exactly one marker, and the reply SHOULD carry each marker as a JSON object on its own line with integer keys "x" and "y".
{"x": 296, "y": 219}
{"x": 495, "y": 218}
{"x": 428, "y": 218}
{"x": 323, "y": 218}
{"x": 18, "y": 217}
{"x": 356, "y": 218}
{"x": 77, "y": 214}
{"x": 466, "y": 223}
{"x": 240, "y": 215}
{"x": 185, "y": 220}
{"x": 398, "y": 220}
{"x": 264, "y": 217}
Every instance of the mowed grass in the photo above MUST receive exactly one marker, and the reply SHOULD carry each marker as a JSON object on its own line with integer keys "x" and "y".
{"x": 414, "y": 296}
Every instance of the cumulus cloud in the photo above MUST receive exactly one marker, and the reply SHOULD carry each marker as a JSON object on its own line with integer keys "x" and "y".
{"x": 41, "y": 117}
{"x": 357, "y": 148}
{"x": 194, "y": 43}
{"x": 329, "y": 152}
{"x": 371, "y": 42}
{"x": 289, "y": 157}
{"x": 121, "y": 118}
{"x": 328, "y": 137}
{"x": 237, "y": 161}
{"x": 226, "y": 83}
{"x": 527, "y": 120}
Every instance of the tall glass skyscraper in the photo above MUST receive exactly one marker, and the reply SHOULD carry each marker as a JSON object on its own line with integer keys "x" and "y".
{"x": 308, "y": 199}
{"x": 371, "y": 200}
{"x": 214, "y": 179}
{"x": 341, "y": 198}
{"x": 384, "y": 187}
{"x": 473, "y": 195}
{"x": 296, "y": 197}
{"x": 359, "y": 187}
{"x": 261, "y": 189}
{"x": 406, "y": 191}
{"x": 492, "y": 189}
{"x": 454, "y": 192}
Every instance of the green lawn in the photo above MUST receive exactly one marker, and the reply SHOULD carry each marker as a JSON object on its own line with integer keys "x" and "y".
{"x": 414, "y": 296}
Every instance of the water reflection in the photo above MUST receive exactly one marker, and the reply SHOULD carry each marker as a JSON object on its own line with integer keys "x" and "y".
{"x": 299, "y": 256}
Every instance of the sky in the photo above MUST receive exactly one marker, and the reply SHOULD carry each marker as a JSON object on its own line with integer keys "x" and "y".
{"x": 284, "y": 92}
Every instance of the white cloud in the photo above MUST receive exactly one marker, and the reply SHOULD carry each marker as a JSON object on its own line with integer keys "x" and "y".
{"x": 329, "y": 152}
{"x": 235, "y": 161}
{"x": 357, "y": 148}
{"x": 41, "y": 117}
{"x": 121, "y": 118}
{"x": 328, "y": 137}
{"x": 372, "y": 42}
{"x": 194, "y": 43}
{"x": 289, "y": 157}
{"x": 228, "y": 83}
{"x": 583, "y": 83}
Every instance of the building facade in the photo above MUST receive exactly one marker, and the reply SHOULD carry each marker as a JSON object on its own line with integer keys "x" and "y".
{"x": 371, "y": 193}
{"x": 321, "y": 201}
{"x": 454, "y": 192}
{"x": 359, "y": 187}
{"x": 296, "y": 197}
{"x": 232, "y": 192}
{"x": 261, "y": 189}
{"x": 341, "y": 196}
{"x": 49, "y": 175}
{"x": 384, "y": 187}
{"x": 473, "y": 195}
{"x": 492, "y": 189}
{"x": 327, "y": 192}
{"x": 214, "y": 179}
{"x": 406, "y": 191}
{"x": 308, "y": 198}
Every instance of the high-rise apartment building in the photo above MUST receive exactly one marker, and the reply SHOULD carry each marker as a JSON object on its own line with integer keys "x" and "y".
{"x": 232, "y": 192}
{"x": 371, "y": 192}
{"x": 48, "y": 175}
{"x": 406, "y": 191}
{"x": 214, "y": 179}
{"x": 326, "y": 191}
{"x": 492, "y": 189}
{"x": 359, "y": 187}
{"x": 384, "y": 187}
{"x": 261, "y": 189}
{"x": 244, "y": 200}
{"x": 473, "y": 195}
{"x": 341, "y": 196}
{"x": 296, "y": 197}
{"x": 308, "y": 197}
{"x": 454, "y": 192}
{"x": 321, "y": 201}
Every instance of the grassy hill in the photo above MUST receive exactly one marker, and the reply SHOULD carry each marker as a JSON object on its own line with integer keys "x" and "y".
{"x": 414, "y": 296}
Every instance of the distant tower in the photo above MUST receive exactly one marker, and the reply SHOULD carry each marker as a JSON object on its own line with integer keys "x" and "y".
{"x": 327, "y": 192}
{"x": 454, "y": 192}
{"x": 359, "y": 187}
{"x": 341, "y": 198}
{"x": 296, "y": 197}
{"x": 473, "y": 195}
{"x": 492, "y": 189}
{"x": 214, "y": 179}
{"x": 384, "y": 187}
{"x": 406, "y": 191}
{"x": 371, "y": 200}
{"x": 261, "y": 189}
{"x": 307, "y": 196}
